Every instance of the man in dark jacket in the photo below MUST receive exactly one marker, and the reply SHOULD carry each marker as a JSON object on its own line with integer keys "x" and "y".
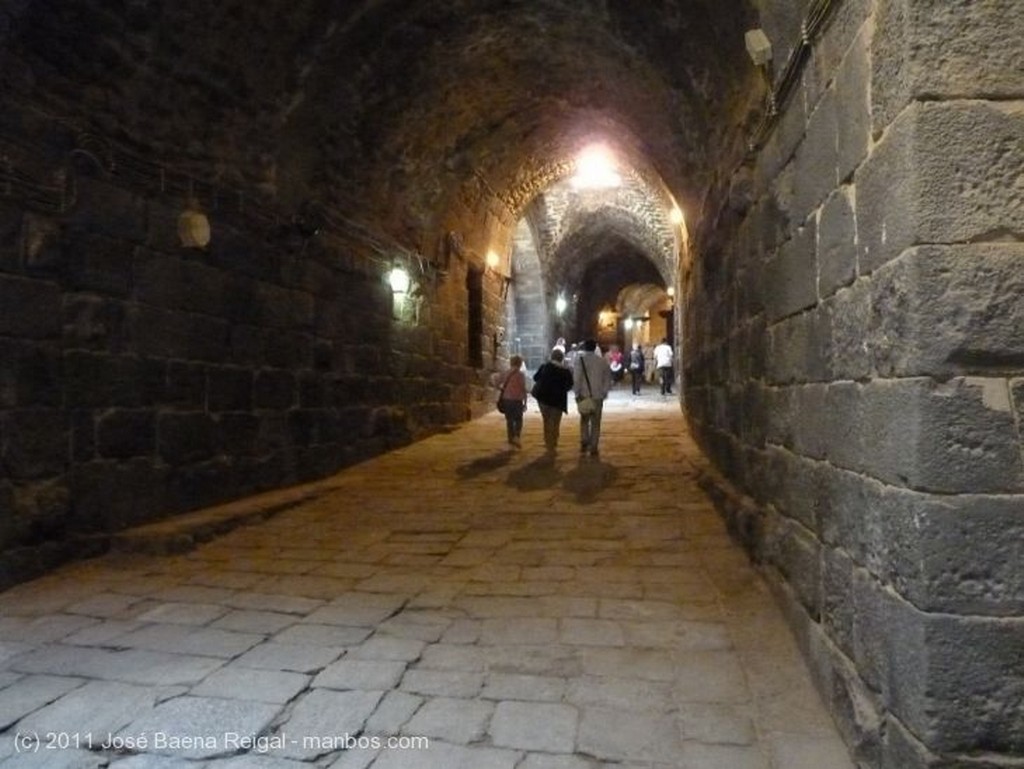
{"x": 553, "y": 382}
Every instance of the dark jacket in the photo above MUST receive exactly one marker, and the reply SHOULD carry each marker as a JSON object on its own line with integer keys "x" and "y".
{"x": 553, "y": 384}
{"x": 636, "y": 360}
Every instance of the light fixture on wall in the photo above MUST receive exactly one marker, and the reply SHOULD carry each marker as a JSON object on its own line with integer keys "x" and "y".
{"x": 398, "y": 279}
{"x": 492, "y": 259}
{"x": 400, "y": 283}
{"x": 560, "y": 304}
{"x": 193, "y": 226}
{"x": 758, "y": 46}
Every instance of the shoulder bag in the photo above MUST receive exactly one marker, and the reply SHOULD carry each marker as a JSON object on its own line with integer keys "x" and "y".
{"x": 501, "y": 395}
{"x": 586, "y": 406}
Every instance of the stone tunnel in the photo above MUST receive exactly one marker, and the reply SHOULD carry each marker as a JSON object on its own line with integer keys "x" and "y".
{"x": 246, "y": 245}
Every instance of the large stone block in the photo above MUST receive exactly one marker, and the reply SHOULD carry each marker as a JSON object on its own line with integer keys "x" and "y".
{"x": 943, "y": 310}
{"x": 105, "y": 209}
{"x": 791, "y": 277}
{"x": 837, "y": 605}
{"x": 184, "y": 385}
{"x": 186, "y": 437}
{"x": 853, "y": 95}
{"x": 108, "y": 495}
{"x": 952, "y": 437}
{"x": 230, "y": 388}
{"x": 850, "y": 311}
{"x": 238, "y": 433}
{"x": 971, "y": 696}
{"x": 837, "y": 243}
{"x": 177, "y": 283}
{"x": 29, "y": 308}
{"x": 95, "y": 380}
{"x": 800, "y": 348}
{"x": 97, "y": 263}
{"x": 965, "y": 693}
{"x": 943, "y": 173}
{"x": 283, "y": 308}
{"x": 29, "y": 374}
{"x": 795, "y": 552}
{"x": 817, "y": 159}
{"x": 173, "y": 334}
{"x": 125, "y": 433}
{"x": 938, "y": 49}
{"x": 35, "y": 443}
{"x": 954, "y": 554}
{"x": 94, "y": 323}
{"x": 274, "y": 389}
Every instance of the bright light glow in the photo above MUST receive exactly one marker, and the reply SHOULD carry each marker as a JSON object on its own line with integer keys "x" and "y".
{"x": 560, "y": 304}
{"x": 671, "y": 290}
{"x": 628, "y": 323}
{"x": 398, "y": 279}
{"x": 492, "y": 260}
{"x": 596, "y": 169}
{"x": 675, "y": 215}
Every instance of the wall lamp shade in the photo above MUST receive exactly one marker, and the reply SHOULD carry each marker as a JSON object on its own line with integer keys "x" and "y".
{"x": 758, "y": 46}
{"x": 399, "y": 281}
{"x": 193, "y": 229}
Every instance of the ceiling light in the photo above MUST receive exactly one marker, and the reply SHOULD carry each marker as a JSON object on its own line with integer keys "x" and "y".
{"x": 596, "y": 169}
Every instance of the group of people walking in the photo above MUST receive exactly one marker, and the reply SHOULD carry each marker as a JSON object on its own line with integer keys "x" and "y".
{"x": 588, "y": 375}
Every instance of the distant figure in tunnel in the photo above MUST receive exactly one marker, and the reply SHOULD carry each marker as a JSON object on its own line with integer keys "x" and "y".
{"x": 592, "y": 379}
{"x": 636, "y": 367}
{"x": 663, "y": 363}
{"x": 512, "y": 399}
{"x": 553, "y": 382}
{"x": 616, "y": 364}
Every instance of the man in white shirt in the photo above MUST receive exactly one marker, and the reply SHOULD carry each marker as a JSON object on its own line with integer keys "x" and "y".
{"x": 663, "y": 363}
{"x": 592, "y": 379}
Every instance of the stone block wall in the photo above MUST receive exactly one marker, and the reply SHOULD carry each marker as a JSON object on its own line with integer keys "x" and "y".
{"x": 139, "y": 378}
{"x": 854, "y": 367}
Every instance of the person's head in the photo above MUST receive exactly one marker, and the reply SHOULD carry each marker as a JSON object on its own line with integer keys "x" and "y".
{"x": 515, "y": 361}
{"x": 664, "y": 340}
{"x": 590, "y": 345}
{"x": 636, "y": 345}
{"x": 557, "y": 355}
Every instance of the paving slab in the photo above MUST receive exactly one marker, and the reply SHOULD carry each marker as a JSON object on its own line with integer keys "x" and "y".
{"x": 507, "y": 610}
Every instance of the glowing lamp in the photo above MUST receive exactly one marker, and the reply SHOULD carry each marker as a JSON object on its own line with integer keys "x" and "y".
{"x": 193, "y": 228}
{"x": 399, "y": 281}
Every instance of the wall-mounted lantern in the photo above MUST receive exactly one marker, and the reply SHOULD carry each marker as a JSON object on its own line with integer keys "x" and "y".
{"x": 400, "y": 284}
{"x": 560, "y": 304}
{"x": 193, "y": 227}
{"x": 398, "y": 279}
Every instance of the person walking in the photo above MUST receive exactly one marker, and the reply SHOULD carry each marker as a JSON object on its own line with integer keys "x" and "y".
{"x": 636, "y": 367}
{"x": 553, "y": 381}
{"x": 592, "y": 379}
{"x": 663, "y": 363}
{"x": 616, "y": 364}
{"x": 512, "y": 400}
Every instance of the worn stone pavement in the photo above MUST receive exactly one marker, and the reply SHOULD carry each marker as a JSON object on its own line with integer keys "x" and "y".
{"x": 452, "y": 604}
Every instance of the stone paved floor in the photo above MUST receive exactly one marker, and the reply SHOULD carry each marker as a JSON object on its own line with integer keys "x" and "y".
{"x": 450, "y": 605}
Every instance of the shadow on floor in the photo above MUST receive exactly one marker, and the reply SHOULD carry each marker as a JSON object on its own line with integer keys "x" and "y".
{"x": 541, "y": 473}
{"x": 589, "y": 478}
{"x": 486, "y": 464}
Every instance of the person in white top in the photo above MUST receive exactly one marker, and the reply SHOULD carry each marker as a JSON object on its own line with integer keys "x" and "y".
{"x": 592, "y": 379}
{"x": 663, "y": 363}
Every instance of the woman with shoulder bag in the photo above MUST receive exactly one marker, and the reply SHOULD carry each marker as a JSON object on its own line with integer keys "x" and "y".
{"x": 512, "y": 400}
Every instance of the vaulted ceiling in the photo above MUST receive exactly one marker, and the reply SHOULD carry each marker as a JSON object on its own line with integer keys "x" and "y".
{"x": 399, "y": 109}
